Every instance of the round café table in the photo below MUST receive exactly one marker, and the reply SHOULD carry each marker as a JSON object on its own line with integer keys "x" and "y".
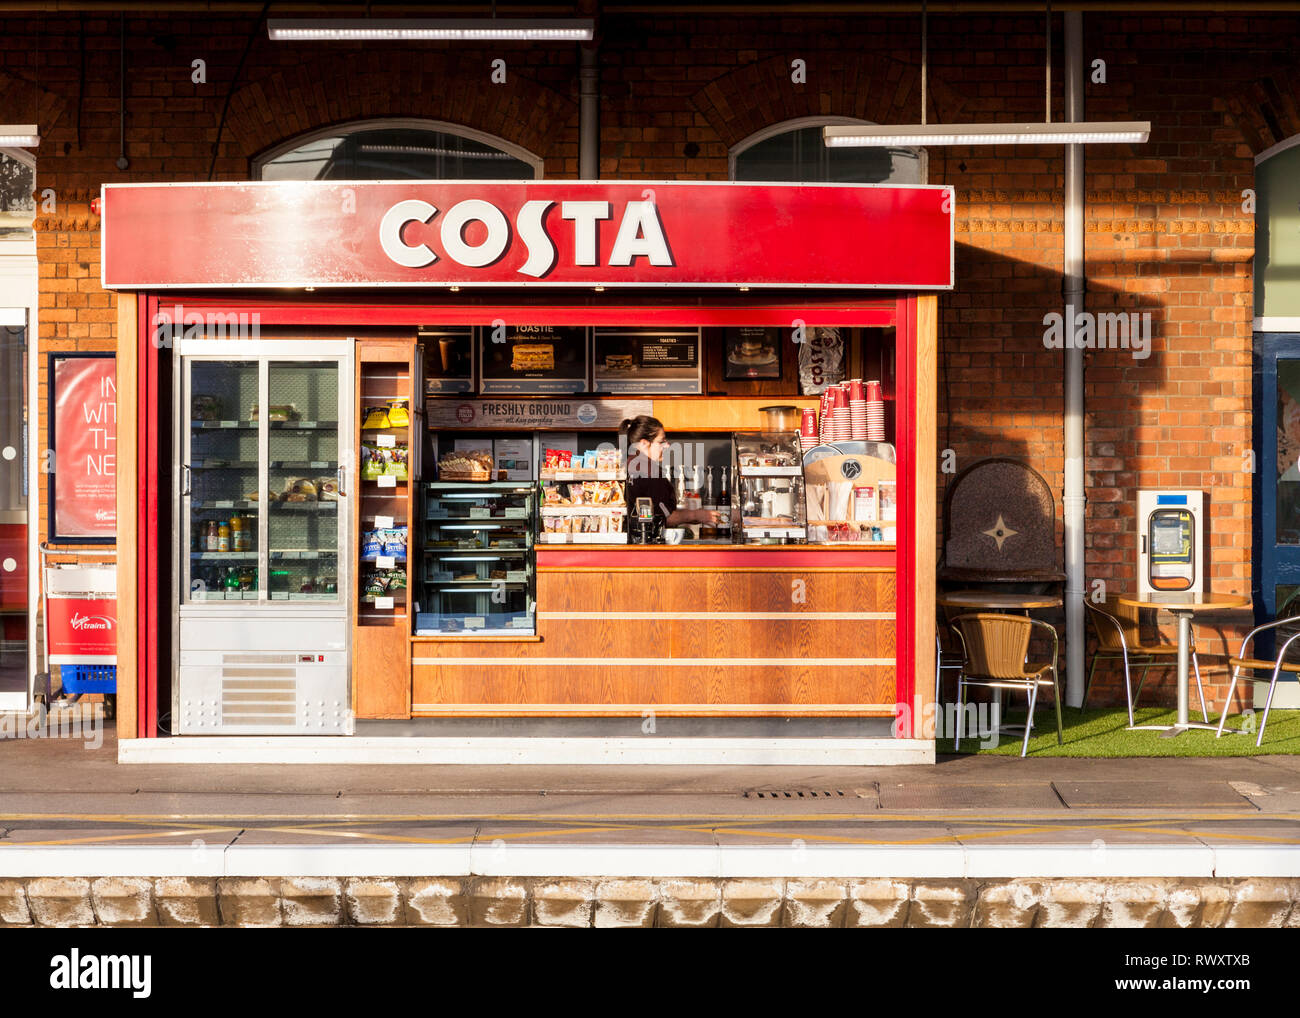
{"x": 1183, "y": 607}
{"x": 996, "y": 601}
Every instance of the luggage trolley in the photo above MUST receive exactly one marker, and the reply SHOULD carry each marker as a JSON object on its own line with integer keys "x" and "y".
{"x": 80, "y": 602}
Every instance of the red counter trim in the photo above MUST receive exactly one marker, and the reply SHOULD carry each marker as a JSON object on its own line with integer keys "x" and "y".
{"x": 705, "y": 558}
{"x": 147, "y": 528}
{"x": 905, "y": 426}
{"x": 855, "y": 313}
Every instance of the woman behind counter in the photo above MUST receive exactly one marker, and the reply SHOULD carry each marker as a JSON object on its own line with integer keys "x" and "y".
{"x": 647, "y": 439}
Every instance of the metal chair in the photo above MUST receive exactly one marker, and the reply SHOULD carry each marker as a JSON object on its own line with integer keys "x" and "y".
{"x": 994, "y": 647}
{"x": 946, "y": 658}
{"x": 1119, "y": 637}
{"x": 1279, "y": 665}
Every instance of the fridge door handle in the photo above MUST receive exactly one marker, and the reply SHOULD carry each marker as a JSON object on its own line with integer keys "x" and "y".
{"x": 342, "y": 493}
{"x": 185, "y": 484}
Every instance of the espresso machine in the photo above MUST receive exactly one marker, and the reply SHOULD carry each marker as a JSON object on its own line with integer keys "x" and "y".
{"x": 769, "y": 487}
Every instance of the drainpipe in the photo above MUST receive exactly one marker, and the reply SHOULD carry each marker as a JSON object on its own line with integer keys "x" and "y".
{"x": 588, "y": 113}
{"x": 1074, "y": 500}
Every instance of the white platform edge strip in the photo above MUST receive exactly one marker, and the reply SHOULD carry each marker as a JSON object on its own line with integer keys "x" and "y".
{"x": 592, "y": 751}
{"x": 514, "y": 860}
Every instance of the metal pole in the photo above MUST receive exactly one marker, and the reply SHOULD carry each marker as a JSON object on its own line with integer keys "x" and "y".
{"x": 1074, "y": 500}
{"x": 588, "y": 113}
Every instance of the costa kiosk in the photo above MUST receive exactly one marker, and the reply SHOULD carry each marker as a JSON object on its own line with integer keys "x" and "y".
{"x": 260, "y": 324}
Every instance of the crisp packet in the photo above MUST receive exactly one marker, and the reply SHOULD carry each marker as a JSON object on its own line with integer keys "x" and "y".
{"x": 372, "y": 461}
{"x": 377, "y": 417}
{"x": 398, "y": 415}
{"x": 371, "y": 544}
{"x": 395, "y": 462}
{"x": 394, "y": 543}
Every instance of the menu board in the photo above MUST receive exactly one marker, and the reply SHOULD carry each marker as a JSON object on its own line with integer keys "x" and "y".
{"x": 646, "y": 360}
{"x": 448, "y": 359}
{"x": 533, "y": 359}
{"x": 752, "y": 353}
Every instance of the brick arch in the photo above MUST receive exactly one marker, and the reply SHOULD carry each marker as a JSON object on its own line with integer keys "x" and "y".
{"x": 1265, "y": 110}
{"x": 437, "y": 86}
{"x": 876, "y": 88}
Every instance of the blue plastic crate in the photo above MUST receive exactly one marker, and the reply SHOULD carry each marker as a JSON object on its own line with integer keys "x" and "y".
{"x": 88, "y": 678}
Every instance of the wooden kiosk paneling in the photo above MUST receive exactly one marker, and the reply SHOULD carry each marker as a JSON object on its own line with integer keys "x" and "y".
{"x": 702, "y": 631}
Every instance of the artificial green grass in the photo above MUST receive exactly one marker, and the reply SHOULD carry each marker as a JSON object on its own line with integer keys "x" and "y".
{"x": 1104, "y": 733}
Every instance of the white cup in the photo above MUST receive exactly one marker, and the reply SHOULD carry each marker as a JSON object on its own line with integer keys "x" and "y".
{"x": 674, "y": 535}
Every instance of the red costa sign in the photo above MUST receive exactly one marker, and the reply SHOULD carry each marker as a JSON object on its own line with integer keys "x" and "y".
{"x": 536, "y": 233}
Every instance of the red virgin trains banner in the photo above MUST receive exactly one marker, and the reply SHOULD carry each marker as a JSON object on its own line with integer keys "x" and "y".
{"x": 535, "y": 233}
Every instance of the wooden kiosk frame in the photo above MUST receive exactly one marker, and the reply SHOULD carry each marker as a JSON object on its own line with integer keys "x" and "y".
{"x": 143, "y": 548}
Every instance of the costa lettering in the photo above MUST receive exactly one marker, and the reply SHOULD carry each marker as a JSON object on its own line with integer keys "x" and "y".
{"x": 640, "y": 234}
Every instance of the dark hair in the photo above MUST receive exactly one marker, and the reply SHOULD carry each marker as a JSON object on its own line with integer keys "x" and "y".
{"x": 641, "y": 427}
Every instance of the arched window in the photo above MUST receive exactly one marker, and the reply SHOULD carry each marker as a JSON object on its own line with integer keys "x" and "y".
{"x": 1277, "y": 233}
{"x": 397, "y": 150}
{"x": 794, "y": 151}
{"x": 17, "y": 183}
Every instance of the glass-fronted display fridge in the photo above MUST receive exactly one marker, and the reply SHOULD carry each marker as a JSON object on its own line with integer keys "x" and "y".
{"x": 261, "y": 631}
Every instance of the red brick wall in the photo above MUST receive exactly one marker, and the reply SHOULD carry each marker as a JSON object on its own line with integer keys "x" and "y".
{"x": 1165, "y": 228}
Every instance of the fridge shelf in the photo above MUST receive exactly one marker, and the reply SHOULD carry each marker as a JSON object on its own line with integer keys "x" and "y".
{"x": 252, "y": 425}
{"x": 224, "y": 465}
{"x": 522, "y": 520}
{"x": 303, "y": 465}
{"x": 304, "y": 507}
{"x": 489, "y": 554}
{"x": 216, "y": 504}
{"x": 298, "y": 554}
{"x": 223, "y": 556}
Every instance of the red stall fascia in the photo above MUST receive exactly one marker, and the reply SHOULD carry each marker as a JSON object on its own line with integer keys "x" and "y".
{"x": 153, "y": 485}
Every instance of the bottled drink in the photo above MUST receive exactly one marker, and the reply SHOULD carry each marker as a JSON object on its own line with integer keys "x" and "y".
{"x": 709, "y": 531}
{"x": 724, "y": 503}
{"x": 236, "y": 534}
{"x": 213, "y": 537}
{"x": 223, "y": 536}
{"x": 231, "y": 582}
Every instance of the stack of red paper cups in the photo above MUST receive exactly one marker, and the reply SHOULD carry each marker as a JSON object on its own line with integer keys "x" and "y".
{"x": 808, "y": 435}
{"x": 857, "y": 410}
{"x": 875, "y": 413}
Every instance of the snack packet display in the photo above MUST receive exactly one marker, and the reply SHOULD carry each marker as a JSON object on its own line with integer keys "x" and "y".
{"x": 371, "y": 544}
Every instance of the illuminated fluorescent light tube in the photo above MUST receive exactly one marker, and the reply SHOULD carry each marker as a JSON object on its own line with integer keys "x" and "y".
{"x": 412, "y": 29}
{"x": 1066, "y": 133}
{"x": 19, "y": 136}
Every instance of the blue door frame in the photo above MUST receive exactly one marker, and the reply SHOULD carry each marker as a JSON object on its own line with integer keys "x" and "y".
{"x": 1274, "y": 564}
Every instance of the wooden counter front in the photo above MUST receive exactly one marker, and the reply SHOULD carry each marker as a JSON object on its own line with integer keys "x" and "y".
{"x": 713, "y": 630}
